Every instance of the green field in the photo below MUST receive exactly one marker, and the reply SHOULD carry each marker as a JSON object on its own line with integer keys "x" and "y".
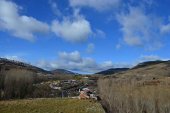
{"x": 50, "y": 106}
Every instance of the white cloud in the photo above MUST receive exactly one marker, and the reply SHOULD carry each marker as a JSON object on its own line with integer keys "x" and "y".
{"x": 165, "y": 28}
{"x": 139, "y": 28}
{"x": 118, "y": 46}
{"x": 76, "y": 29}
{"x": 99, "y": 33}
{"x": 47, "y": 65}
{"x": 73, "y": 56}
{"x": 149, "y": 58}
{"x": 13, "y": 57}
{"x": 149, "y": 2}
{"x": 144, "y": 58}
{"x": 99, "y": 5}
{"x": 108, "y": 64}
{"x": 75, "y": 62}
{"x": 55, "y": 8}
{"x": 144, "y": 3}
{"x": 20, "y": 26}
{"x": 90, "y": 48}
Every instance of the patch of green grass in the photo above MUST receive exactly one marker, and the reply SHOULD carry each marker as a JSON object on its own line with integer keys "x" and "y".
{"x": 50, "y": 106}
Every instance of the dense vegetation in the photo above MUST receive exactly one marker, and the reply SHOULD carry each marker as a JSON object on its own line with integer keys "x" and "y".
{"x": 133, "y": 96}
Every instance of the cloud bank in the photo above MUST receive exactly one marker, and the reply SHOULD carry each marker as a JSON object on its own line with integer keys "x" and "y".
{"x": 75, "y": 62}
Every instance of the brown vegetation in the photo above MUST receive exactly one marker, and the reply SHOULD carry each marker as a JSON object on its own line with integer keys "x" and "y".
{"x": 16, "y": 84}
{"x": 132, "y": 96}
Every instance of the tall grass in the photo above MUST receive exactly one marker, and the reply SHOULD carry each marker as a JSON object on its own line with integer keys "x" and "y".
{"x": 130, "y": 96}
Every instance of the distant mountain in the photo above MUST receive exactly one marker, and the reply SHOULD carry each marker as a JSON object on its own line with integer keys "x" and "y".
{"x": 8, "y": 64}
{"x": 63, "y": 71}
{"x": 112, "y": 71}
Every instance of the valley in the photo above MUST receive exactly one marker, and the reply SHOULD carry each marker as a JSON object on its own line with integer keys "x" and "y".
{"x": 145, "y": 86}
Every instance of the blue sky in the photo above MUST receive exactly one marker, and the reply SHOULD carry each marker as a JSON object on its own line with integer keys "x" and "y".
{"x": 84, "y": 35}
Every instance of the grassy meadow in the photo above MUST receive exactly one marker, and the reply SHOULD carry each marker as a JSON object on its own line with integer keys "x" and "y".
{"x": 50, "y": 106}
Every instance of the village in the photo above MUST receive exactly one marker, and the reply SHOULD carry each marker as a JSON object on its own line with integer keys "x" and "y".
{"x": 83, "y": 88}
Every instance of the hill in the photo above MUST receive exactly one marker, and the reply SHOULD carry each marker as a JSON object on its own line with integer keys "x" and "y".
{"x": 149, "y": 69}
{"x": 112, "y": 71}
{"x": 7, "y": 64}
{"x": 142, "y": 89}
{"x": 148, "y": 63}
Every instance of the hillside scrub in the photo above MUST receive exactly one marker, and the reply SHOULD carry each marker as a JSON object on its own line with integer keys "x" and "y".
{"x": 16, "y": 84}
{"x": 131, "y": 96}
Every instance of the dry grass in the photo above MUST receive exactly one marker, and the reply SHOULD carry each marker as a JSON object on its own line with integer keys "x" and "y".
{"x": 128, "y": 96}
{"x": 50, "y": 106}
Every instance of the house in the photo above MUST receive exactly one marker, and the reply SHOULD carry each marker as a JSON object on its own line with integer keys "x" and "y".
{"x": 86, "y": 93}
{"x": 53, "y": 86}
{"x": 69, "y": 81}
{"x": 83, "y": 95}
{"x": 85, "y": 77}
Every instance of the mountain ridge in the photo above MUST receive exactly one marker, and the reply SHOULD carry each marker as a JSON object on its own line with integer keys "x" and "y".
{"x": 112, "y": 71}
{"x": 63, "y": 71}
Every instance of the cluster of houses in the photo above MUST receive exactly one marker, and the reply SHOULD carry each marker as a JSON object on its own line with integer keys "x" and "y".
{"x": 59, "y": 84}
{"x": 82, "y": 90}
